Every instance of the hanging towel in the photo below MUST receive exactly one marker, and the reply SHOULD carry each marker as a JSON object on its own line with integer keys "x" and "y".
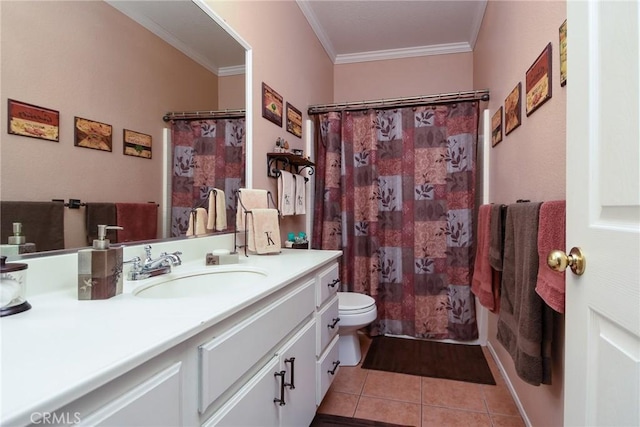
{"x": 217, "y": 218}
{"x": 301, "y": 198}
{"x": 100, "y": 214}
{"x": 496, "y": 239}
{"x": 551, "y": 236}
{"x": 524, "y": 322}
{"x": 249, "y": 199}
{"x": 264, "y": 238}
{"x": 197, "y": 222}
{"x": 42, "y": 223}
{"x": 482, "y": 281}
{"x": 286, "y": 193}
{"x": 139, "y": 221}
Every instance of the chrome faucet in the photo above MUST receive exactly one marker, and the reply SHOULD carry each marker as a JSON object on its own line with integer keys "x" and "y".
{"x": 153, "y": 267}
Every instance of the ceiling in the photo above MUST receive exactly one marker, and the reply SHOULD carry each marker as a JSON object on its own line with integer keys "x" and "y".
{"x": 349, "y": 30}
{"x": 357, "y": 31}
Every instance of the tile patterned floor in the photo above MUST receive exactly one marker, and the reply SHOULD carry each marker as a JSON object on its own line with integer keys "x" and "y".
{"x": 419, "y": 401}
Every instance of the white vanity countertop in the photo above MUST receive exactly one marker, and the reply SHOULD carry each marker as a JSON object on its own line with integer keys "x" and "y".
{"x": 63, "y": 348}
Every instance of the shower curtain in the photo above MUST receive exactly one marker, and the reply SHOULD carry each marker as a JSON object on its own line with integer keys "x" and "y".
{"x": 395, "y": 192}
{"x": 206, "y": 154}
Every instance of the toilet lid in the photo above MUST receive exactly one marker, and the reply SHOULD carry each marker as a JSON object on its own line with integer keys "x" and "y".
{"x": 350, "y": 301}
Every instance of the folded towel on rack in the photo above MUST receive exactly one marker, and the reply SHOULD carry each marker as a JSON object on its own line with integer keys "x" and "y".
{"x": 42, "y": 223}
{"x": 301, "y": 198}
{"x": 249, "y": 199}
{"x": 197, "y": 222}
{"x": 286, "y": 193}
{"x": 551, "y": 236}
{"x": 496, "y": 237}
{"x": 482, "y": 284}
{"x": 139, "y": 221}
{"x": 524, "y": 322}
{"x": 100, "y": 214}
{"x": 217, "y": 217}
{"x": 264, "y": 235}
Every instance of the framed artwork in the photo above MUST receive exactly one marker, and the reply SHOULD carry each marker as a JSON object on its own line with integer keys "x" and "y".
{"x": 136, "y": 144}
{"x": 563, "y": 53}
{"x": 92, "y": 134}
{"x": 496, "y": 127}
{"x": 294, "y": 120}
{"x": 538, "y": 81}
{"x": 512, "y": 108}
{"x": 33, "y": 121}
{"x": 271, "y": 105}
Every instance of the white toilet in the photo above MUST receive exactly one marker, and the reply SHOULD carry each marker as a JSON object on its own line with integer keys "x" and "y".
{"x": 356, "y": 311}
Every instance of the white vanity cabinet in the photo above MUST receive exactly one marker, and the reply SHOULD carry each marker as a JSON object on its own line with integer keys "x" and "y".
{"x": 328, "y": 321}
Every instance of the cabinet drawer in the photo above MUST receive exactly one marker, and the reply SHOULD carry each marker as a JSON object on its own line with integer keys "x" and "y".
{"x": 328, "y": 284}
{"x": 224, "y": 359}
{"x": 327, "y": 369}
{"x": 327, "y": 325}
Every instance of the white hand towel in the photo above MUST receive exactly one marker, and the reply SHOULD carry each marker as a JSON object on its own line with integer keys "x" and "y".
{"x": 249, "y": 199}
{"x": 301, "y": 198}
{"x": 217, "y": 211}
{"x": 264, "y": 238}
{"x": 286, "y": 193}
{"x": 197, "y": 222}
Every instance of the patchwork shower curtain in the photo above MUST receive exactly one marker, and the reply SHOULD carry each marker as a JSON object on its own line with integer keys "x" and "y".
{"x": 395, "y": 192}
{"x": 207, "y": 154}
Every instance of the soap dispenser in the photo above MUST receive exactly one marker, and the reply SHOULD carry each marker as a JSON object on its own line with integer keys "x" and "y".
{"x": 100, "y": 268}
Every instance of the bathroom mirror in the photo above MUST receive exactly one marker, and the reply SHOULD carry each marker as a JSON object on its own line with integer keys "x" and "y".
{"x": 98, "y": 61}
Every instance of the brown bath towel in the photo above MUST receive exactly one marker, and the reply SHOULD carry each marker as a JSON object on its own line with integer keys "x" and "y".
{"x": 100, "y": 214}
{"x": 42, "y": 223}
{"x": 524, "y": 322}
{"x": 482, "y": 281}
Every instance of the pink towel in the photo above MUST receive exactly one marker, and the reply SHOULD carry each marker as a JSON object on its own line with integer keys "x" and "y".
{"x": 139, "y": 221}
{"x": 482, "y": 282}
{"x": 551, "y": 235}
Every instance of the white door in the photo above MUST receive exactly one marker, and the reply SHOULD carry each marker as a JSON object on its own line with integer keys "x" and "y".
{"x": 602, "y": 353}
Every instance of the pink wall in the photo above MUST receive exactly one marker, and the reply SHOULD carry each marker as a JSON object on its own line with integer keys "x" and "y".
{"x": 87, "y": 59}
{"x": 424, "y": 75}
{"x": 231, "y": 92}
{"x": 529, "y": 163}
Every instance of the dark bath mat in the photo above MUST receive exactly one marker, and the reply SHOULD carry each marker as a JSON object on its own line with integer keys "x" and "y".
{"x": 458, "y": 362}
{"x": 325, "y": 420}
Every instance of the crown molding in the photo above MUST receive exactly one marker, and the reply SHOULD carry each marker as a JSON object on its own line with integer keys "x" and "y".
{"x": 317, "y": 28}
{"x": 477, "y": 23}
{"x": 231, "y": 71}
{"x": 380, "y": 55}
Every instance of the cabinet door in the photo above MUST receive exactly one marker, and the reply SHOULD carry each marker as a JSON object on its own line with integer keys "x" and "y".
{"x": 300, "y": 404}
{"x": 253, "y": 405}
{"x": 153, "y": 403}
{"x": 328, "y": 366}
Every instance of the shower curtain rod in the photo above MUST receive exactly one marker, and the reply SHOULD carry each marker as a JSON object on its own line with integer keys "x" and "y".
{"x": 472, "y": 95}
{"x": 211, "y": 114}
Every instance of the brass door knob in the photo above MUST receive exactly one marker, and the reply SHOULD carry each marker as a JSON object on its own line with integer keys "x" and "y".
{"x": 558, "y": 261}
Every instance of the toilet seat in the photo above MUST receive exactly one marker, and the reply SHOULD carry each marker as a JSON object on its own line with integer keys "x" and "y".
{"x": 350, "y": 303}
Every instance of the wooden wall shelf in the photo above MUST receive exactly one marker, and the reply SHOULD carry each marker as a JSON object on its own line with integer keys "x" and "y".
{"x": 289, "y": 162}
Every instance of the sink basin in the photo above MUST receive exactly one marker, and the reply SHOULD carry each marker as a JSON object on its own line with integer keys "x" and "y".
{"x": 217, "y": 280}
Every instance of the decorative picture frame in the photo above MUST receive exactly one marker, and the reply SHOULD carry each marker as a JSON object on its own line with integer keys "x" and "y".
{"x": 136, "y": 144}
{"x": 512, "y": 109}
{"x": 294, "y": 120}
{"x": 32, "y": 121}
{"x": 563, "y": 53}
{"x": 271, "y": 105}
{"x": 496, "y": 127}
{"x": 538, "y": 81}
{"x": 91, "y": 134}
